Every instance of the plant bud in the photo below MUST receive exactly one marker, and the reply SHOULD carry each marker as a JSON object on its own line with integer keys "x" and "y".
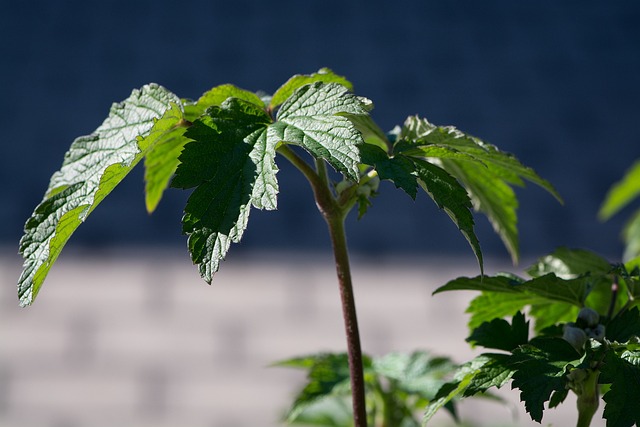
{"x": 574, "y": 336}
{"x": 589, "y": 317}
{"x": 596, "y": 333}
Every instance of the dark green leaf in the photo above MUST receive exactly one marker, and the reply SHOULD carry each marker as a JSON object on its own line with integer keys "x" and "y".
{"x": 92, "y": 168}
{"x": 540, "y": 370}
{"x": 501, "y": 335}
{"x": 624, "y": 326}
{"x": 483, "y": 283}
{"x": 461, "y": 381}
{"x": 324, "y": 75}
{"x": 311, "y": 117}
{"x": 621, "y": 409}
{"x": 230, "y": 162}
{"x": 399, "y": 170}
{"x": 553, "y": 288}
{"x": 494, "y": 373}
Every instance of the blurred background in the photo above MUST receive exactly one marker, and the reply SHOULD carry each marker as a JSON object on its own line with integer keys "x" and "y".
{"x": 556, "y": 83}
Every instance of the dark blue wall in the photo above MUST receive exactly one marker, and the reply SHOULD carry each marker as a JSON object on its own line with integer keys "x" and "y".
{"x": 556, "y": 83}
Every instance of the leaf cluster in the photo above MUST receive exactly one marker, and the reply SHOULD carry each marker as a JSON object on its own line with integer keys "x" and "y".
{"x": 398, "y": 387}
{"x": 223, "y": 146}
{"x": 550, "y": 364}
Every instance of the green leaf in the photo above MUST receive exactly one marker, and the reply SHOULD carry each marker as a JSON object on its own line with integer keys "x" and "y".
{"x": 483, "y": 283}
{"x": 463, "y": 379}
{"x": 550, "y": 287}
{"x": 631, "y": 237}
{"x": 328, "y": 375}
{"x": 231, "y": 163}
{"x": 496, "y": 372}
{"x": 452, "y": 197}
{"x": 167, "y": 139}
{"x": 491, "y": 305}
{"x": 216, "y": 96}
{"x": 570, "y": 263}
{"x": 622, "y": 192}
{"x": 399, "y": 170}
{"x": 553, "y": 288}
{"x": 324, "y": 75}
{"x": 491, "y": 196}
{"x": 621, "y": 409}
{"x": 539, "y": 371}
{"x": 486, "y": 172}
{"x": 624, "y": 326}
{"x": 92, "y": 168}
{"x": 416, "y": 372}
{"x": 311, "y": 118}
{"x": 501, "y": 335}
{"x": 551, "y": 313}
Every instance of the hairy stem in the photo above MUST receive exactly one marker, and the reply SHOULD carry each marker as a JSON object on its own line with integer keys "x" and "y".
{"x": 334, "y": 214}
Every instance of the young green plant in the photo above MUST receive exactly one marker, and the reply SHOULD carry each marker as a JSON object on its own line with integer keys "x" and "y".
{"x": 224, "y": 146}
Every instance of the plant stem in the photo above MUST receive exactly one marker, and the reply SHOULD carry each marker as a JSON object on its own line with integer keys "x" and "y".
{"x": 341, "y": 254}
{"x": 334, "y": 213}
{"x": 588, "y": 399}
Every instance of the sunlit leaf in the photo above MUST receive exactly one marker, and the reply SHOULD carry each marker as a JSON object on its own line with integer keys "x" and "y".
{"x": 92, "y": 168}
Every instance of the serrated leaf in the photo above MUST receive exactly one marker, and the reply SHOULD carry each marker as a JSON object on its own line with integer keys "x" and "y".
{"x": 569, "y": 263}
{"x": 550, "y": 287}
{"x": 92, "y": 167}
{"x": 495, "y": 372}
{"x": 539, "y": 371}
{"x": 457, "y": 387}
{"x": 500, "y": 335}
{"x": 622, "y": 192}
{"x": 216, "y": 96}
{"x": 230, "y": 162}
{"x": 621, "y": 409}
{"x": 311, "y": 117}
{"x": 486, "y": 172}
{"x": 452, "y": 197}
{"x": 504, "y": 165}
{"x": 324, "y": 75}
{"x": 482, "y": 283}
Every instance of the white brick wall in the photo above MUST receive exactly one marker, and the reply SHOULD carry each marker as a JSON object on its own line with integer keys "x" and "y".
{"x": 136, "y": 338}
